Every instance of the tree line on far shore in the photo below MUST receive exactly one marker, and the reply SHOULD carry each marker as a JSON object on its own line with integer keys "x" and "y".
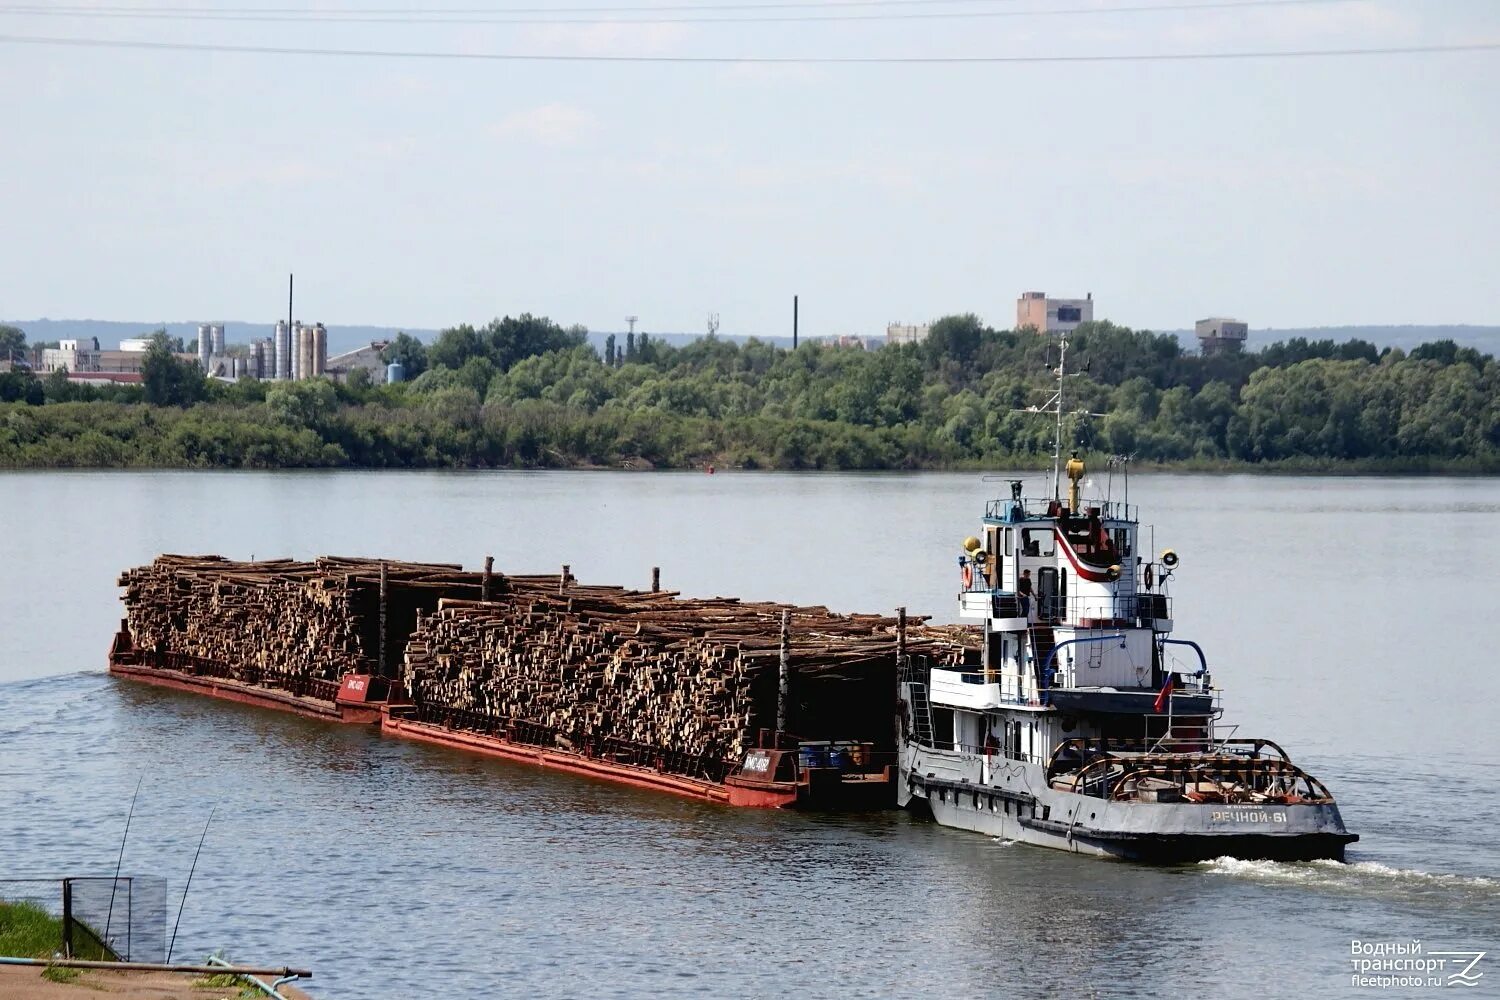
{"x": 526, "y": 392}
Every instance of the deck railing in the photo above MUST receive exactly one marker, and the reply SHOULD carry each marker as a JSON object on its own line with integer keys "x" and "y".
{"x": 203, "y": 666}
{"x": 1073, "y": 609}
{"x": 1037, "y": 508}
{"x": 1252, "y": 767}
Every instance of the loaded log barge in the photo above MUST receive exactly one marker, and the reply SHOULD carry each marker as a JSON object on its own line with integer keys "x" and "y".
{"x": 747, "y": 704}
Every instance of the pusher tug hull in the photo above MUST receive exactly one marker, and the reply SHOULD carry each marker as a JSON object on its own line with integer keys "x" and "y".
{"x": 1082, "y": 724}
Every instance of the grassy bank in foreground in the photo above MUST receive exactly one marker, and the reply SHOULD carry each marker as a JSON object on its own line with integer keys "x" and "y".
{"x": 29, "y": 931}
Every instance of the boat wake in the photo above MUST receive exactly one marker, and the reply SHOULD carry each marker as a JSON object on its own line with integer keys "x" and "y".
{"x": 46, "y": 700}
{"x": 1357, "y": 876}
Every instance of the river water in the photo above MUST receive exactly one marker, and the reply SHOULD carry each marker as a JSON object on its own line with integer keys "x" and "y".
{"x": 1353, "y": 620}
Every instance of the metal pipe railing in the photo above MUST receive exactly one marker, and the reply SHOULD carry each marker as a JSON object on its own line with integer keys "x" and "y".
{"x": 239, "y": 970}
{"x": 272, "y": 990}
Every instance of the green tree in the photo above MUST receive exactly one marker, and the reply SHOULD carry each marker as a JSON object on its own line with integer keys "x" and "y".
{"x": 12, "y": 344}
{"x": 56, "y": 388}
{"x": 454, "y": 346}
{"x": 310, "y": 403}
{"x": 168, "y": 381}
{"x": 956, "y": 337}
{"x": 409, "y": 352}
{"x": 21, "y": 386}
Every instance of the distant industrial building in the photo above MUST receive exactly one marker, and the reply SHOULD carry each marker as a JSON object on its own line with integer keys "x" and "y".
{"x": 73, "y": 355}
{"x": 1221, "y": 335}
{"x": 308, "y": 350}
{"x": 261, "y": 359}
{"x": 848, "y": 340}
{"x": 213, "y": 358}
{"x": 1044, "y": 315}
{"x": 905, "y": 333}
{"x": 341, "y": 366}
{"x": 83, "y": 356}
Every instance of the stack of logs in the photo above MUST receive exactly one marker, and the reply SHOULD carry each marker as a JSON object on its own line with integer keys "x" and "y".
{"x": 697, "y": 677}
{"x": 694, "y": 678}
{"x": 318, "y": 619}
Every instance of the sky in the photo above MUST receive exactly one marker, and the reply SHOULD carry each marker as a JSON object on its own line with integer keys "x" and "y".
{"x": 172, "y": 184}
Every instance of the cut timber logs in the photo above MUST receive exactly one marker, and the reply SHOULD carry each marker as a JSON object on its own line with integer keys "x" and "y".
{"x": 696, "y": 677}
{"x": 316, "y": 620}
{"x": 685, "y": 684}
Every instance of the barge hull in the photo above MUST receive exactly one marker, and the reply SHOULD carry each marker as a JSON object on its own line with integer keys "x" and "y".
{"x": 248, "y": 694}
{"x": 358, "y": 708}
{"x": 562, "y": 760}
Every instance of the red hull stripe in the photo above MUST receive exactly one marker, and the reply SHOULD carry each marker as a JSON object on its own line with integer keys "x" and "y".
{"x": 561, "y": 760}
{"x": 1092, "y": 575}
{"x": 246, "y": 694}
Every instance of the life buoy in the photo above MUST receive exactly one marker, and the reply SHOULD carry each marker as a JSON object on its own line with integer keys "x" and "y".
{"x": 968, "y": 574}
{"x": 1150, "y": 576}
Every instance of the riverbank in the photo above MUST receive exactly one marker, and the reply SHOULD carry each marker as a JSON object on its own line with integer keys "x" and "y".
{"x": 109, "y": 435}
{"x": 30, "y": 931}
{"x": 32, "y": 983}
{"x": 528, "y": 394}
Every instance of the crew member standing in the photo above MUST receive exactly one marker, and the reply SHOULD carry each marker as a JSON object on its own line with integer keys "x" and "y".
{"x": 1023, "y": 591}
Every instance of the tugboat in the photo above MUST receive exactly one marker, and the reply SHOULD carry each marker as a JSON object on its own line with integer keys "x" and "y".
{"x": 1076, "y": 726}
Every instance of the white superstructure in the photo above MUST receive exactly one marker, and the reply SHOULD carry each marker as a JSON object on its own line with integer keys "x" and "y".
{"x": 1080, "y": 722}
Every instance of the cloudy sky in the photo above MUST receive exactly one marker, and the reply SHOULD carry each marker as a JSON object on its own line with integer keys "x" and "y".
{"x": 170, "y": 183}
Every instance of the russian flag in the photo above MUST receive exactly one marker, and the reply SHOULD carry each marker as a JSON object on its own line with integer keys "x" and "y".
{"x": 1164, "y": 696}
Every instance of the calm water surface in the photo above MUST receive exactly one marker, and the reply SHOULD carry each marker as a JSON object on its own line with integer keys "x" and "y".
{"x": 1353, "y": 620}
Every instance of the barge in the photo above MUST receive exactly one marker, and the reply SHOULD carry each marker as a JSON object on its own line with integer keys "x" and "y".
{"x": 779, "y": 773}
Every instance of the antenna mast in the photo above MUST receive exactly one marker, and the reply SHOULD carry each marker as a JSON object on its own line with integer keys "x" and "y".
{"x": 1062, "y": 371}
{"x": 632, "y": 321}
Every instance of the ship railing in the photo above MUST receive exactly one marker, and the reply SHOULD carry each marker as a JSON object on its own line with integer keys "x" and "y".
{"x": 1225, "y": 770}
{"x": 991, "y": 752}
{"x": 300, "y": 685}
{"x": 1070, "y": 753}
{"x": 1141, "y": 610}
{"x": 915, "y": 668}
{"x": 1183, "y": 736}
{"x": 1229, "y": 778}
{"x": 1102, "y": 611}
{"x": 1015, "y": 510}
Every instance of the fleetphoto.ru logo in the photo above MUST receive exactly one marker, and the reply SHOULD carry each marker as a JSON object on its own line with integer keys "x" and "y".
{"x": 1385, "y": 965}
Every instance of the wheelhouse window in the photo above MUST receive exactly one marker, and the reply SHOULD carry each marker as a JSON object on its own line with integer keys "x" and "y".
{"x": 1038, "y": 542}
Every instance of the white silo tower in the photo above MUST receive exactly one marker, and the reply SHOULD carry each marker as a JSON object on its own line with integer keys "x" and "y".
{"x": 282, "y": 360}
{"x": 205, "y": 345}
{"x": 319, "y": 349}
